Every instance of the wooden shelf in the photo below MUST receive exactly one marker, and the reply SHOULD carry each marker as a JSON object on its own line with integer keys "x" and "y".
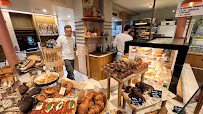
{"x": 88, "y": 37}
{"x": 94, "y": 19}
{"x": 48, "y": 35}
{"x": 28, "y": 28}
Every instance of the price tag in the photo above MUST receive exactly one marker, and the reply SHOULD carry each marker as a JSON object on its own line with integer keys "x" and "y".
{"x": 177, "y": 109}
{"x": 131, "y": 56}
{"x": 39, "y": 72}
{"x": 49, "y": 45}
{"x": 62, "y": 91}
{"x": 156, "y": 93}
{"x": 136, "y": 101}
{"x": 44, "y": 68}
{"x": 96, "y": 89}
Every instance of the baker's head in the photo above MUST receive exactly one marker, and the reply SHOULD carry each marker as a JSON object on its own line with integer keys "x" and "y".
{"x": 68, "y": 30}
{"x": 127, "y": 28}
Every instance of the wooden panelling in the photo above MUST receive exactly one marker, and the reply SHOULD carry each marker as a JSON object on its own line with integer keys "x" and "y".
{"x": 21, "y": 21}
{"x": 196, "y": 61}
{"x": 198, "y": 75}
{"x": 45, "y": 19}
{"x": 95, "y": 66}
{"x": 76, "y": 62}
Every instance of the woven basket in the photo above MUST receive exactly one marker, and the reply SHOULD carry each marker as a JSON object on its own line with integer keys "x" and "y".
{"x": 53, "y": 59}
{"x": 82, "y": 93}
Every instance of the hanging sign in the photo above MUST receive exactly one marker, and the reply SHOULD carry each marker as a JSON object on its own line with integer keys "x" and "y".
{"x": 189, "y": 11}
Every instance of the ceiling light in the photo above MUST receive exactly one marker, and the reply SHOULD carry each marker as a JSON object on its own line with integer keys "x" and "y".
{"x": 5, "y": 3}
{"x": 190, "y": 3}
{"x": 59, "y": 18}
{"x": 44, "y": 10}
{"x": 173, "y": 11}
{"x": 68, "y": 15}
{"x": 150, "y": 6}
{"x": 115, "y": 20}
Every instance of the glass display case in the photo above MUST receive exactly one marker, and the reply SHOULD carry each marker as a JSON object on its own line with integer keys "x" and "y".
{"x": 165, "y": 61}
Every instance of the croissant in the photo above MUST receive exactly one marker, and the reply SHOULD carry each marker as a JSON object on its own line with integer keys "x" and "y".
{"x": 82, "y": 109}
{"x": 99, "y": 97}
{"x": 101, "y": 105}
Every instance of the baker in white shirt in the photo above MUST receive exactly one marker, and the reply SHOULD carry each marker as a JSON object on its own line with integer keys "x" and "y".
{"x": 119, "y": 41}
{"x": 67, "y": 44}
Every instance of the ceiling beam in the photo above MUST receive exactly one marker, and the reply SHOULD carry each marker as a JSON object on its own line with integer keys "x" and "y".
{"x": 124, "y": 8}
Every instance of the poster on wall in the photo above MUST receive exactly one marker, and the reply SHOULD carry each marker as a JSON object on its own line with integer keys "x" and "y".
{"x": 189, "y": 11}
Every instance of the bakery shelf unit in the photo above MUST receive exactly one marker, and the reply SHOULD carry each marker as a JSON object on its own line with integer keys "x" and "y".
{"x": 92, "y": 19}
{"x": 121, "y": 81}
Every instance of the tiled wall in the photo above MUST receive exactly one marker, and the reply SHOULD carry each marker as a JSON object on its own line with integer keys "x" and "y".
{"x": 82, "y": 59}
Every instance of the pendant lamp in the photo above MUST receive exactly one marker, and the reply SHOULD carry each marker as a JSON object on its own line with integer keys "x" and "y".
{"x": 190, "y": 2}
{"x": 5, "y": 3}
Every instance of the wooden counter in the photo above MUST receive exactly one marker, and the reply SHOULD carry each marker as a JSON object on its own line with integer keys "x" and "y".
{"x": 96, "y": 62}
{"x": 196, "y": 62}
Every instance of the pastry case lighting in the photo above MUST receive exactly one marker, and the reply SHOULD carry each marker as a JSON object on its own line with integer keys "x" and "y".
{"x": 190, "y": 2}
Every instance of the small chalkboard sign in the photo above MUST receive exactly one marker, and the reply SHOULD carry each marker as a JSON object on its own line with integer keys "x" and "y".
{"x": 137, "y": 101}
{"x": 177, "y": 109}
{"x": 156, "y": 93}
{"x": 49, "y": 45}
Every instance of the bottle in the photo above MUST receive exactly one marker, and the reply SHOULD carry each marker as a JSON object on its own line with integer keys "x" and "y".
{"x": 165, "y": 84}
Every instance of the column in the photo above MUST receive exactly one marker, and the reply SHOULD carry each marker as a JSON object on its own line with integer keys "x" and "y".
{"x": 6, "y": 43}
{"x": 123, "y": 20}
{"x": 178, "y": 39}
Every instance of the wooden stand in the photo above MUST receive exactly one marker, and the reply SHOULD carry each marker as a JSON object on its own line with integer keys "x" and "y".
{"x": 121, "y": 81}
{"x": 134, "y": 109}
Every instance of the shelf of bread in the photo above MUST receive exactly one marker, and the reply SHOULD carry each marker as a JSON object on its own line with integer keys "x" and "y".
{"x": 94, "y": 19}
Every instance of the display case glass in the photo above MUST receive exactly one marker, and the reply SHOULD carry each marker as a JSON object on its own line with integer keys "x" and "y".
{"x": 165, "y": 61}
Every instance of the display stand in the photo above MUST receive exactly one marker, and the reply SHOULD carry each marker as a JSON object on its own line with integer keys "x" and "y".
{"x": 121, "y": 81}
{"x": 150, "y": 101}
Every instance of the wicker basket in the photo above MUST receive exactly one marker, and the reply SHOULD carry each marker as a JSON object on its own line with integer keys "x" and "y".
{"x": 82, "y": 93}
{"x": 53, "y": 59}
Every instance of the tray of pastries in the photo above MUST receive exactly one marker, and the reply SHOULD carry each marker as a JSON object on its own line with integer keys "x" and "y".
{"x": 122, "y": 69}
{"x": 91, "y": 102}
{"x": 46, "y": 79}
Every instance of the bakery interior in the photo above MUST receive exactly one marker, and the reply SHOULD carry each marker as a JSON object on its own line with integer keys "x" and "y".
{"x": 160, "y": 72}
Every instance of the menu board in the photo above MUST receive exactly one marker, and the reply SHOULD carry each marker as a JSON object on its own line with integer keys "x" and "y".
{"x": 189, "y": 11}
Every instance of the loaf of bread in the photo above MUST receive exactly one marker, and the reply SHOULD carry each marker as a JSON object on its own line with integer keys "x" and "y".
{"x": 29, "y": 65}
